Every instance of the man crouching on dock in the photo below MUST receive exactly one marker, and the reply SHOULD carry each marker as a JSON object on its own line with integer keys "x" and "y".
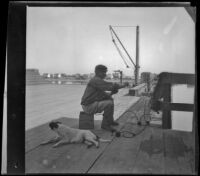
{"x": 96, "y": 100}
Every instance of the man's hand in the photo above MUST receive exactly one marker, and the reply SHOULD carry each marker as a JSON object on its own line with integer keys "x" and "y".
{"x": 114, "y": 91}
{"x": 121, "y": 86}
{"x": 116, "y": 87}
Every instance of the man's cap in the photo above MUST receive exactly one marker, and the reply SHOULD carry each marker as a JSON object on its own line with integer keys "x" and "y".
{"x": 100, "y": 68}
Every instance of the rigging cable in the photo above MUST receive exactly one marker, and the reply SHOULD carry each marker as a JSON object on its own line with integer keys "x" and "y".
{"x": 130, "y": 134}
{"x": 111, "y": 29}
{"x": 120, "y": 53}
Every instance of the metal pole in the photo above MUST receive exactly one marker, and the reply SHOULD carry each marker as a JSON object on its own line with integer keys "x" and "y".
{"x": 137, "y": 57}
{"x": 120, "y": 77}
{"x": 122, "y": 46}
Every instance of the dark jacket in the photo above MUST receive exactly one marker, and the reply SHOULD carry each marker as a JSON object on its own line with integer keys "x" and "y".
{"x": 95, "y": 91}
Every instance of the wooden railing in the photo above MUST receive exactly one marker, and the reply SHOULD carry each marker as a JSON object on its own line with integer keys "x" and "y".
{"x": 163, "y": 91}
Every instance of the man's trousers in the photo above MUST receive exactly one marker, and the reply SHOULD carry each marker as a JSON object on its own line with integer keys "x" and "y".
{"x": 99, "y": 106}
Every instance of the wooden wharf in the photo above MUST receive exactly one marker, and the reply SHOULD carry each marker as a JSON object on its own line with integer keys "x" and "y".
{"x": 153, "y": 151}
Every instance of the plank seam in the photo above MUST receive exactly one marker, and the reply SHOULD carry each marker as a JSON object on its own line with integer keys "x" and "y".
{"x": 99, "y": 156}
{"x": 112, "y": 138}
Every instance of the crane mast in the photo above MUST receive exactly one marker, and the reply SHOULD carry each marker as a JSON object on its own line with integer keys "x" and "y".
{"x": 136, "y": 64}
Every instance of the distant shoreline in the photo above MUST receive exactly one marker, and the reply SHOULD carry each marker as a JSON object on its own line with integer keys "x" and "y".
{"x": 70, "y": 82}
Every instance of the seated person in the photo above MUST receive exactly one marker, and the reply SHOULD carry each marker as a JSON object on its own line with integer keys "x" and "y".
{"x": 96, "y": 100}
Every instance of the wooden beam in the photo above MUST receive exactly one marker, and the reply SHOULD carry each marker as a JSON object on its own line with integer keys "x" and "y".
{"x": 177, "y": 106}
{"x": 177, "y": 78}
{"x": 166, "y": 117}
{"x": 192, "y": 12}
{"x": 102, "y": 4}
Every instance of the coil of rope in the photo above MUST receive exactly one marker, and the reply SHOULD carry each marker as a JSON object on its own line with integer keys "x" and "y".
{"x": 130, "y": 134}
{"x": 127, "y": 133}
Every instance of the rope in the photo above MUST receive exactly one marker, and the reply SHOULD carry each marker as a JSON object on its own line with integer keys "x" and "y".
{"x": 120, "y": 53}
{"x": 123, "y": 58}
{"x": 123, "y": 133}
{"x": 111, "y": 30}
{"x": 129, "y": 134}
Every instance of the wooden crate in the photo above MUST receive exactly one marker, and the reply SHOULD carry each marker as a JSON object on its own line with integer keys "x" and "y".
{"x": 86, "y": 121}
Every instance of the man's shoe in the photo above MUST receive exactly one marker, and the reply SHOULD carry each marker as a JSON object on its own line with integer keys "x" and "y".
{"x": 115, "y": 123}
{"x": 108, "y": 128}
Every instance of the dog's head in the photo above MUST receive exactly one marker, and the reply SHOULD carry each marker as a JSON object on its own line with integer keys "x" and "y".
{"x": 54, "y": 125}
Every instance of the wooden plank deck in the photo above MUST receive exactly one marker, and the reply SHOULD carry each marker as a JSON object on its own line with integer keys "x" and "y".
{"x": 150, "y": 155}
{"x": 179, "y": 154}
{"x": 119, "y": 156}
{"x": 153, "y": 151}
{"x": 65, "y": 159}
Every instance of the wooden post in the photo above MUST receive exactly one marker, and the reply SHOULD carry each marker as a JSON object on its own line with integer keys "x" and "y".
{"x": 195, "y": 131}
{"x": 166, "y": 116}
{"x": 194, "y": 120}
{"x": 16, "y": 57}
{"x": 120, "y": 75}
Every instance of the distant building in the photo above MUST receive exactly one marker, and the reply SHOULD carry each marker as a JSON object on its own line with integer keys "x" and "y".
{"x": 32, "y": 71}
{"x": 47, "y": 75}
{"x": 63, "y": 75}
{"x": 128, "y": 77}
{"x": 85, "y": 76}
{"x": 145, "y": 77}
{"x": 91, "y": 75}
{"x": 57, "y": 75}
{"x": 116, "y": 75}
{"x": 33, "y": 77}
{"x": 77, "y": 76}
{"x": 109, "y": 76}
{"x": 70, "y": 77}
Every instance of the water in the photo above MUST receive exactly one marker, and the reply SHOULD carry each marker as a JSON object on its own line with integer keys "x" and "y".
{"x": 47, "y": 102}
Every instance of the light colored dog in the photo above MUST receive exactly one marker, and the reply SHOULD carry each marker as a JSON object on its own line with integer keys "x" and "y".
{"x": 68, "y": 135}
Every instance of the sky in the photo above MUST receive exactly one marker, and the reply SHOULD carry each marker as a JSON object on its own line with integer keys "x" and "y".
{"x": 75, "y": 39}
